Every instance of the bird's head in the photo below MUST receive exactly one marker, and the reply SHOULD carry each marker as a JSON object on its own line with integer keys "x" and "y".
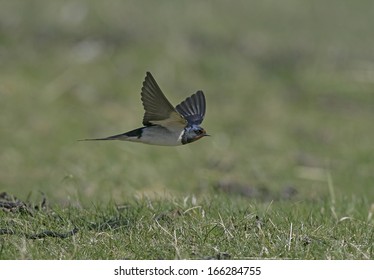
{"x": 193, "y": 133}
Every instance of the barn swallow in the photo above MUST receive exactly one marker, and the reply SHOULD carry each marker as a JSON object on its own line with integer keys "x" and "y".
{"x": 165, "y": 125}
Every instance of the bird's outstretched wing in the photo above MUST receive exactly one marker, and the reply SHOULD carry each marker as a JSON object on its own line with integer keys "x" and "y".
{"x": 193, "y": 108}
{"x": 158, "y": 110}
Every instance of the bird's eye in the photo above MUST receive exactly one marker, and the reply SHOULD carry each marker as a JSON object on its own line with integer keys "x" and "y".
{"x": 199, "y": 131}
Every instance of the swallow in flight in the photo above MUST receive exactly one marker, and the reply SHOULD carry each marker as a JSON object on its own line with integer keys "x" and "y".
{"x": 165, "y": 125}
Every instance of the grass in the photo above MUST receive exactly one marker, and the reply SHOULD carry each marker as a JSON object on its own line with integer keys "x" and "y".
{"x": 288, "y": 172}
{"x": 194, "y": 229}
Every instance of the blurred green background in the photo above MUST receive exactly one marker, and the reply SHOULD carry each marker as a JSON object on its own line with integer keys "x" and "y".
{"x": 289, "y": 88}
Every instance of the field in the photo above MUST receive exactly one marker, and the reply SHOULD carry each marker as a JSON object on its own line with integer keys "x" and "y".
{"x": 288, "y": 172}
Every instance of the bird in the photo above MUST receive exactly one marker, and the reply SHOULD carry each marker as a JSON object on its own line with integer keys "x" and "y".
{"x": 164, "y": 124}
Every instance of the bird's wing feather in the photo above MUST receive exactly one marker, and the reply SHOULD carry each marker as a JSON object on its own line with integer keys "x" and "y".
{"x": 158, "y": 110}
{"x": 193, "y": 108}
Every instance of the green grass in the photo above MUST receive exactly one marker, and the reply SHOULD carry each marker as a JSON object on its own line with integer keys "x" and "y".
{"x": 213, "y": 228}
{"x": 290, "y": 107}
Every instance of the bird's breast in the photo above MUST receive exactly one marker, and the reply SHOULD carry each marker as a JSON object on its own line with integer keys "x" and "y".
{"x": 157, "y": 135}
